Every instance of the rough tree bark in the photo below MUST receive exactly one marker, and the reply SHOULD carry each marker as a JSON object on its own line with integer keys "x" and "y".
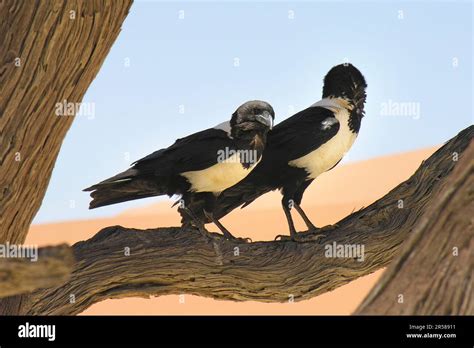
{"x": 50, "y": 51}
{"x": 48, "y": 54}
{"x": 434, "y": 273}
{"x": 52, "y": 268}
{"x": 172, "y": 261}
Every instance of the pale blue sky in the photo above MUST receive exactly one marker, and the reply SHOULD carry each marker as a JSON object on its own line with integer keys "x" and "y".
{"x": 424, "y": 58}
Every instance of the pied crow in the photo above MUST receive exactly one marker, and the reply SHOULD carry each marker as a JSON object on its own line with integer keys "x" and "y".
{"x": 303, "y": 146}
{"x": 197, "y": 167}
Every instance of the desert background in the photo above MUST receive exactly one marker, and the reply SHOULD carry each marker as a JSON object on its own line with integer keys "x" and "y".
{"x": 334, "y": 195}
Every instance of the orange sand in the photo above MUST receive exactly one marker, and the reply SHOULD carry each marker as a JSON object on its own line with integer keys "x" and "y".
{"x": 331, "y": 197}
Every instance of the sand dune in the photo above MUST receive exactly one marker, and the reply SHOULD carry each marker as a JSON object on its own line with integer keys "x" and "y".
{"x": 331, "y": 197}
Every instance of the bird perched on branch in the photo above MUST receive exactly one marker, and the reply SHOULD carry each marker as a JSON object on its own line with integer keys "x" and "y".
{"x": 303, "y": 146}
{"x": 197, "y": 167}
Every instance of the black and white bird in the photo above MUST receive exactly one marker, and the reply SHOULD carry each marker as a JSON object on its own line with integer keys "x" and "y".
{"x": 198, "y": 167}
{"x": 304, "y": 146}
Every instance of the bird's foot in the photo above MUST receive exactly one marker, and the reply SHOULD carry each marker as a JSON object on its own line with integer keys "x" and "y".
{"x": 230, "y": 237}
{"x": 240, "y": 240}
{"x": 220, "y": 237}
{"x": 225, "y": 232}
{"x": 309, "y": 237}
{"x": 283, "y": 237}
{"x": 214, "y": 236}
{"x": 301, "y": 237}
{"x": 327, "y": 228}
{"x": 313, "y": 234}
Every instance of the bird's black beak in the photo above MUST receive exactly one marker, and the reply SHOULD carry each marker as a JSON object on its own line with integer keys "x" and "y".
{"x": 266, "y": 119}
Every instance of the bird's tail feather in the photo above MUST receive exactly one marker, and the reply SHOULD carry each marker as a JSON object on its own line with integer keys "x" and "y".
{"x": 125, "y": 186}
{"x": 121, "y": 192}
{"x": 121, "y": 177}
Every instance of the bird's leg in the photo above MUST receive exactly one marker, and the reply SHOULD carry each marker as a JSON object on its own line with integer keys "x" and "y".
{"x": 289, "y": 219}
{"x": 225, "y": 231}
{"x": 209, "y": 206}
{"x": 187, "y": 221}
{"x": 294, "y": 236}
{"x": 199, "y": 224}
{"x": 305, "y": 218}
{"x": 286, "y": 205}
{"x": 221, "y": 227}
{"x": 309, "y": 224}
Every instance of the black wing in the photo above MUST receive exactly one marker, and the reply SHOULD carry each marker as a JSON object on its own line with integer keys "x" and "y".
{"x": 153, "y": 174}
{"x": 195, "y": 152}
{"x": 291, "y": 139}
{"x": 299, "y": 135}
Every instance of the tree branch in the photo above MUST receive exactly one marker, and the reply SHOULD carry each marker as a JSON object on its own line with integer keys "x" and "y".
{"x": 173, "y": 261}
{"x": 433, "y": 273}
{"x": 20, "y": 275}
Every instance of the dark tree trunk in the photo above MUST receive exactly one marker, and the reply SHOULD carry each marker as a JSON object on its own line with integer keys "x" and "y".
{"x": 50, "y": 51}
{"x": 434, "y": 273}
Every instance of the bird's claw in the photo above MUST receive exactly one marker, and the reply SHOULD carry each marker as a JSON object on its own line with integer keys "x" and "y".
{"x": 230, "y": 237}
{"x": 282, "y": 237}
{"x": 309, "y": 237}
{"x": 300, "y": 237}
{"x": 242, "y": 240}
{"x": 214, "y": 236}
{"x": 328, "y": 227}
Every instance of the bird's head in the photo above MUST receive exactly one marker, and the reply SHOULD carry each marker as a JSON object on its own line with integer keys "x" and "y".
{"x": 345, "y": 81}
{"x": 251, "y": 118}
